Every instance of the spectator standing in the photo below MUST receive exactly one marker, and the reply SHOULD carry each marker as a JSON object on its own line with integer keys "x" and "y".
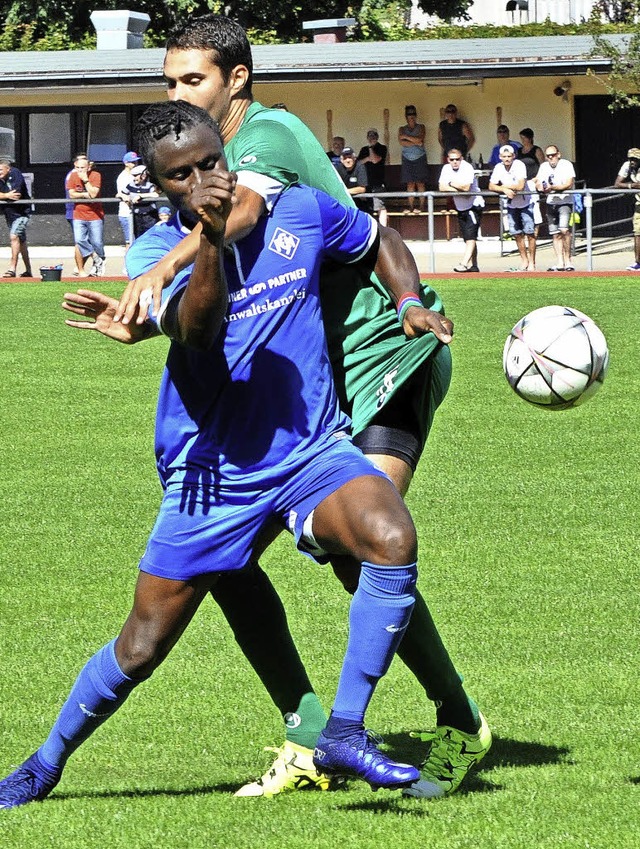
{"x": 142, "y": 195}
{"x": 337, "y": 146}
{"x": 85, "y": 183}
{"x": 555, "y": 180}
{"x": 13, "y": 191}
{"x": 129, "y": 160}
{"x": 68, "y": 207}
{"x": 453, "y": 132}
{"x": 374, "y": 155}
{"x": 509, "y": 179}
{"x": 413, "y": 170}
{"x": 458, "y": 177}
{"x": 502, "y": 134}
{"x": 354, "y": 175}
{"x": 533, "y": 157}
{"x": 629, "y": 178}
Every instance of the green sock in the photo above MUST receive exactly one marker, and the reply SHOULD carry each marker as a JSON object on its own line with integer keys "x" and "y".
{"x": 423, "y": 651}
{"x": 305, "y": 724}
{"x": 458, "y": 710}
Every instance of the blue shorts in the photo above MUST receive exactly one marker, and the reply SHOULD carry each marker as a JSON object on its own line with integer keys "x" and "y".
{"x": 521, "y": 220}
{"x": 19, "y": 227}
{"x": 197, "y": 532}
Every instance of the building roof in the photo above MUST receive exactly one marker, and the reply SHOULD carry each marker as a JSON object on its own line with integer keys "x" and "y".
{"x": 435, "y": 59}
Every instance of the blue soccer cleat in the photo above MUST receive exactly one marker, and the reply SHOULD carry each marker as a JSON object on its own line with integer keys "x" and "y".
{"x": 358, "y": 756}
{"x": 31, "y": 782}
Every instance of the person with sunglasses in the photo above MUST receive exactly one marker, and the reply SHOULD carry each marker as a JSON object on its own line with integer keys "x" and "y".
{"x": 413, "y": 168}
{"x": 459, "y": 178}
{"x": 555, "y": 180}
{"x": 454, "y": 132}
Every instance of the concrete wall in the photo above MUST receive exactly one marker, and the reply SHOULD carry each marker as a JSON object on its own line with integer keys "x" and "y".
{"x": 526, "y": 102}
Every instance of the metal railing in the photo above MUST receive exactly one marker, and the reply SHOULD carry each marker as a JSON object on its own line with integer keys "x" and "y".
{"x": 589, "y": 198}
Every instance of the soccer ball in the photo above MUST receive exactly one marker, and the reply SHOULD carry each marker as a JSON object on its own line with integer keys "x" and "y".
{"x": 555, "y": 357}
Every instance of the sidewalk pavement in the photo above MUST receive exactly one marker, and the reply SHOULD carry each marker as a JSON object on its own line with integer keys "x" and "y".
{"x": 609, "y": 255}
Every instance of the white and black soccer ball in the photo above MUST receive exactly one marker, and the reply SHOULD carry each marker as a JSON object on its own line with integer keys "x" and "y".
{"x": 555, "y": 357}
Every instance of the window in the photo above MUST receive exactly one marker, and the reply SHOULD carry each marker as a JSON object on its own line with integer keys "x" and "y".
{"x": 49, "y": 137}
{"x": 7, "y": 136}
{"x": 107, "y": 136}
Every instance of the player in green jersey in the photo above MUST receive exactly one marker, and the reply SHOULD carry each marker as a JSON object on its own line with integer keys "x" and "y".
{"x": 390, "y": 381}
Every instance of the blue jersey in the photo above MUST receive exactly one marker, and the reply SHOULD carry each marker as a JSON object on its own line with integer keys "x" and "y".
{"x": 249, "y": 413}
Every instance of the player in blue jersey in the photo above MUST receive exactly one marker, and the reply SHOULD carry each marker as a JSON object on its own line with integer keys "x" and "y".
{"x": 248, "y": 432}
{"x": 390, "y": 380}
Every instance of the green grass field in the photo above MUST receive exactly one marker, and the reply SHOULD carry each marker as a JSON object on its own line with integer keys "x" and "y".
{"x": 528, "y": 527}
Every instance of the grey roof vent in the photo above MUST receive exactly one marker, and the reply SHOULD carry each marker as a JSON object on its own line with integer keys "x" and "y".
{"x": 332, "y": 31}
{"x": 120, "y": 29}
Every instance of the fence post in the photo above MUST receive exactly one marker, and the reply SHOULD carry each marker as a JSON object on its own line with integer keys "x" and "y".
{"x": 588, "y": 208}
{"x": 432, "y": 249}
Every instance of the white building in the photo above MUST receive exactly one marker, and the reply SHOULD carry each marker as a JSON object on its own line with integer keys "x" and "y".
{"x": 506, "y": 12}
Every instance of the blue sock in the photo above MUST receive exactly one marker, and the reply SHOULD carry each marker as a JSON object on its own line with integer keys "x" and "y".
{"x": 99, "y": 690}
{"x": 380, "y": 612}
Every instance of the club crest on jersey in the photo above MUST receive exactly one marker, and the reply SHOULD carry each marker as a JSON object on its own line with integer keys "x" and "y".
{"x": 284, "y": 244}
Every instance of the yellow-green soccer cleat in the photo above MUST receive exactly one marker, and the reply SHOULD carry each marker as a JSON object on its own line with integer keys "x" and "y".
{"x": 452, "y": 755}
{"x": 293, "y": 769}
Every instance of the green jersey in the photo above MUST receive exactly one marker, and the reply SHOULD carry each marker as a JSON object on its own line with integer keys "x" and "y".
{"x": 370, "y": 355}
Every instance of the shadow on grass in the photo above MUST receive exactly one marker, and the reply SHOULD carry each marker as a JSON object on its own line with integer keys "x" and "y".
{"x": 142, "y": 794}
{"x": 504, "y": 752}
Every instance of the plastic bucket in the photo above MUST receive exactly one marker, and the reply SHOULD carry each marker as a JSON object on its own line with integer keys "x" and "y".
{"x": 52, "y": 272}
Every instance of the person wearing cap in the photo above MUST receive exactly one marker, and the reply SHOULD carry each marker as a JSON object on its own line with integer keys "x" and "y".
{"x": 509, "y": 180}
{"x": 374, "y": 155}
{"x": 164, "y": 214}
{"x": 123, "y": 179}
{"x": 502, "y": 134}
{"x": 453, "y": 132}
{"x": 141, "y": 195}
{"x": 354, "y": 175}
{"x": 413, "y": 167}
{"x": 629, "y": 178}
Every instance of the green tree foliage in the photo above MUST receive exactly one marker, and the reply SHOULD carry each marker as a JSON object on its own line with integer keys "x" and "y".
{"x": 446, "y": 10}
{"x": 623, "y": 81}
{"x": 66, "y": 25}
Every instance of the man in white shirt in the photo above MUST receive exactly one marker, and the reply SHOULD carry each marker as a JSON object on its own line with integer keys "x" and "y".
{"x": 123, "y": 179}
{"x": 555, "y": 180}
{"x": 629, "y": 178}
{"x": 509, "y": 179}
{"x": 458, "y": 177}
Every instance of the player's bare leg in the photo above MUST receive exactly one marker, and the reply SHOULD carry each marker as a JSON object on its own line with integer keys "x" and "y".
{"x": 161, "y": 611}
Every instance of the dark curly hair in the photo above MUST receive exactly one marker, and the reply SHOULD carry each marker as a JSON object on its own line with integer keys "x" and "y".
{"x": 219, "y": 35}
{"x": 161, "y": 119}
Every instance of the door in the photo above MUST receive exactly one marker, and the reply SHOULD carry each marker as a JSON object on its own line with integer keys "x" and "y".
{"x": 602, "y": 141}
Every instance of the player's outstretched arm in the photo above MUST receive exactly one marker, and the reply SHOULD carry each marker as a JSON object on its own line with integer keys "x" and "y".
{"x": 397, "y": 271}
{"x": 246, "y": 210}
{"x": 98, "y": 312}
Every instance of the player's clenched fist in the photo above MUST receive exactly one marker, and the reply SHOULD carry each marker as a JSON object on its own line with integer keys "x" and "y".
{"x": 212, "y": 198}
